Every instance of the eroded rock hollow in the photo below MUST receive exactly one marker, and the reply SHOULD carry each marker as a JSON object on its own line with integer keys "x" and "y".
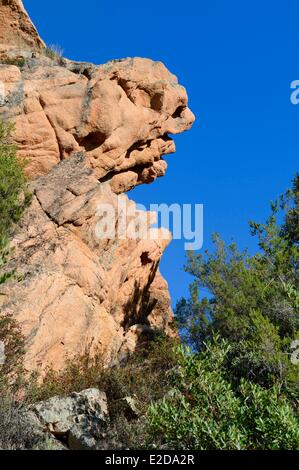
{"x": 90, "y": 134}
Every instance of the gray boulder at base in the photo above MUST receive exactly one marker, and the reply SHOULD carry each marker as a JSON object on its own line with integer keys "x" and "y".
{"x": 79, "y": 420}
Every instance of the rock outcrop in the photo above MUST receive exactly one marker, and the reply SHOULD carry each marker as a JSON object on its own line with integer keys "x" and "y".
{"x": 80, "y": 293}
{"x": 17, "y": 30}
{"x": 79, "y": 420}
{"x": 119, "y": 114}
{"x": 89, "y": 133}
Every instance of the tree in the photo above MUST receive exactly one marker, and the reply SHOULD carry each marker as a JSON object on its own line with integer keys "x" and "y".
{"x": 253, "y": 301}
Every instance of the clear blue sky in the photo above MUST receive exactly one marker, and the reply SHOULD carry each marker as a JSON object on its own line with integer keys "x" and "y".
{"x": 236, "y": 59}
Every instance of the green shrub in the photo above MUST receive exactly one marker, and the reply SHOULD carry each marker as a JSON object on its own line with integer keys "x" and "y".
{"x": 202, "y": 411}
{"x": 253, "y": 301}
{"x": 18, "y": 62}
{"x": 14, "y": 195}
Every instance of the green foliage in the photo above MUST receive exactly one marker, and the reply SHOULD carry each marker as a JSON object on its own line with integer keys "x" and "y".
{"x": 253, "y": 301}
{"x": 17, "y": 61}
{"x": 290, "y": 203}
{"x": 4, "y": 253}
{"x": 14, "y": 195}
{"x": 203, "y": 411}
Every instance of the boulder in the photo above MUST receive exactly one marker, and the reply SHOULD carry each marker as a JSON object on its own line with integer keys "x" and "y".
{"x": 79, "y": 420}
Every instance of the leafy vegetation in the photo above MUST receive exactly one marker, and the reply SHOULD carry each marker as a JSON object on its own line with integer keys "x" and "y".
{"x": 253, "y": 301}
{"x": 204, "y": 411}
{"x": 14, "y": 195}
{"x": 236, "y": 388}
{"x": 17, "y": 61}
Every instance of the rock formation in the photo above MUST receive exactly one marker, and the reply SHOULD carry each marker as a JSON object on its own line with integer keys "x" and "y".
{"x": 89, "y": 133}
{"x": 79, "y": 420}
{"x": 17, "y": 31}
{"x": 119, "y": 114}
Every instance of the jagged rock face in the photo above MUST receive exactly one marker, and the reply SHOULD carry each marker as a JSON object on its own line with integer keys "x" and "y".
{"x": 119, "y": 114}
{"x": 17, "y": 30}
{"x": 89, "y": 133}
{"x": 79, "y": 293}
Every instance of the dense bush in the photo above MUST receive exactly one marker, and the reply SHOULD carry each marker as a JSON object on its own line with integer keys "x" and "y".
{"x": 203, "y": 411}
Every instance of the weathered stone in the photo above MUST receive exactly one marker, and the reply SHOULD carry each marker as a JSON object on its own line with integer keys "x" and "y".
{"x": 80, "y": 419}
{"x": 17, "y": 29}
{"x": 79, "y": 439}
{"x": 59, "y": 113}
{"x": 89, "y": 133}
{"x": 128, "y": 405}
{"x": 79, "y": 294}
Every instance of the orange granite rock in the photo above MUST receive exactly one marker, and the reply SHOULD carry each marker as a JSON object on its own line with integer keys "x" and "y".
{"x": 89, "y": 133}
